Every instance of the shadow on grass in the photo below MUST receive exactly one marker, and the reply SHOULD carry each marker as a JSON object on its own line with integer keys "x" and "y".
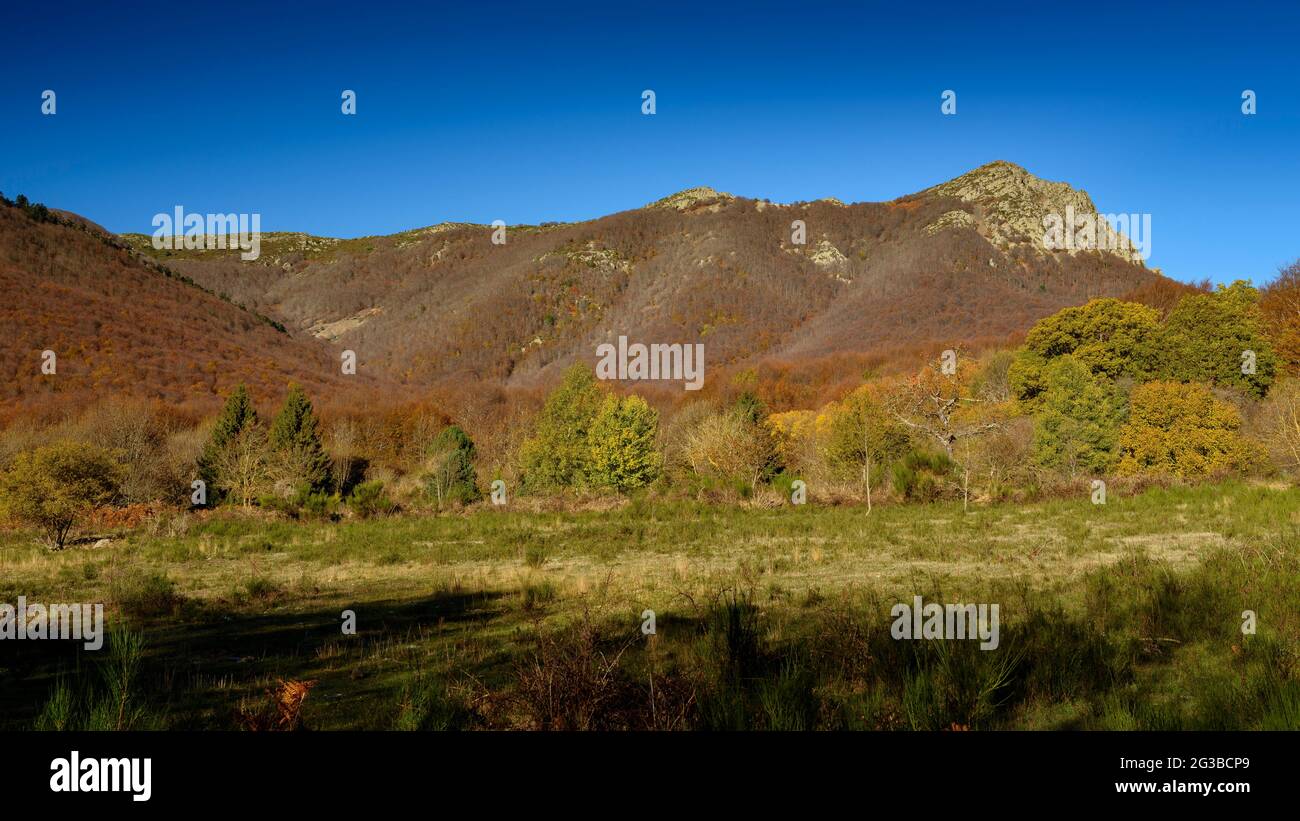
{"x": 199, "y": 663}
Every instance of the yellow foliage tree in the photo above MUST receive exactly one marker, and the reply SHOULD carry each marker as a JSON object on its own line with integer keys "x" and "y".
{"x": 1181, "y": 429}
{"x": 621, "y": 443}
{"x": 54, "y": 486}
{"x": 864, "y": 437}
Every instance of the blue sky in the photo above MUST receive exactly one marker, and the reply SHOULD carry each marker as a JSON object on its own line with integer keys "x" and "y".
{"x": 532, "y": 112}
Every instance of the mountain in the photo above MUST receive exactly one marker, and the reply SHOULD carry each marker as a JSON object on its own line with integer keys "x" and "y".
{"x": 956, "y": 263}
{"x": 1011, "y": 205}
{"x": 123, "y": 324}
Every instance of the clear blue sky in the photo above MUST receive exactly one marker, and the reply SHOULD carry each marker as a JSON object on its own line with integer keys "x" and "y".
{"x": 531, "y": 112}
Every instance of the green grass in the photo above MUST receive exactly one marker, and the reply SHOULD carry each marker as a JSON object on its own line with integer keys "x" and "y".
{"x": 1122, "y": 616}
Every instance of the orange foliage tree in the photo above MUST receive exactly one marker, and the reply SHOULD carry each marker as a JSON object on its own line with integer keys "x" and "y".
{"x": 1280, "y": 305}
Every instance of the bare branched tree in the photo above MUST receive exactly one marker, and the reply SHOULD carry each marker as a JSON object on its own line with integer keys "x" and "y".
{"x": 937, "y": 404}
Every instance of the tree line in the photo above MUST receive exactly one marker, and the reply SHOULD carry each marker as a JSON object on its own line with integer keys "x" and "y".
{"x": 1111, "y": 389}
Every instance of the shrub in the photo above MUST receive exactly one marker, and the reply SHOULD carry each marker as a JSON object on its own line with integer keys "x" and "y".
{"x": 369, "y": 499}
{"x": 576, "y": 679}
{"x": 676, "y": 432}
{"x": 1282, "y": 425}
{"x": 141, "y": 594}
{"x": 1003, "y": 461}
{"x": 318, "y": 504}
{"x": 304, "y": 503}
{"x": 53, "y": 487}
{"x": 921, "y": 476}
{"x": 535, "y": 595}
{"x": 428, "y": 703}
{"x": 727, "y": 445}
{"x": 260, "y": 588}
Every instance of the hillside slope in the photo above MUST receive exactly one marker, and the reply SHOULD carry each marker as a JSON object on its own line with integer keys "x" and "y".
{"x": 124, "y": 325}
{"x": 947, "y": 265}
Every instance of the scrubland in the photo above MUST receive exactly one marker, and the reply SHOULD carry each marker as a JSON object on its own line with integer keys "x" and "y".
{"x": 1127, "y": 615}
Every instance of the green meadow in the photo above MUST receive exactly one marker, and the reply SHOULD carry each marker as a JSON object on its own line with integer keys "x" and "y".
{"x": 1127, "y": 615}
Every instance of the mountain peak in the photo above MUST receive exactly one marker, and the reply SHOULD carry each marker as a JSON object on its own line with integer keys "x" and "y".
{"x": 998, "y": 168}
{"x": 689, "y": 198}
{"x": 1013, "y": 204}
{"x": 1001, "y": 180}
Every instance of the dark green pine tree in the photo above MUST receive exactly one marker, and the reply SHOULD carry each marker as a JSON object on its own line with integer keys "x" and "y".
{"x": 237, "y": 415}
{"x": 750, "y": 408}
{"x": 453, "y": 478}
{"x": 295, "y": 435}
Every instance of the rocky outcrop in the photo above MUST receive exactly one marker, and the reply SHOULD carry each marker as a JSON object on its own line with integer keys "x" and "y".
{"x": 692, "y": 198}
{"x": 1013, "y": 205}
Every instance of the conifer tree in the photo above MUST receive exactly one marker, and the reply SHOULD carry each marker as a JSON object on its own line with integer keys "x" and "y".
{"x": 451, "y": 476}
{"x": 623, "y": 454}
{"x": 237, "y": 416}
{"x": 558, "y": 455}
{"x": 1078, "y": 425}
{"x": 295, "y": 438}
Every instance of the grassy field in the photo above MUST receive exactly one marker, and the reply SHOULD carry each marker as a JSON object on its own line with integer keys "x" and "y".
{"x": 1119, "y": 616}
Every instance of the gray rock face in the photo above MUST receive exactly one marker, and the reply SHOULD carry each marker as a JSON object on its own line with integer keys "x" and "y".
{"x": 690, "y": 198}
{"x": 1013, "y": 204}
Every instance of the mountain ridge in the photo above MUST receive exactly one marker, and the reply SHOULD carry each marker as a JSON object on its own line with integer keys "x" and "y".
{"x": 986, "y": 185}
{"x": 950, "y": 262}
{"x": 754, "y": 281}
{"x": 124, "y": 325}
